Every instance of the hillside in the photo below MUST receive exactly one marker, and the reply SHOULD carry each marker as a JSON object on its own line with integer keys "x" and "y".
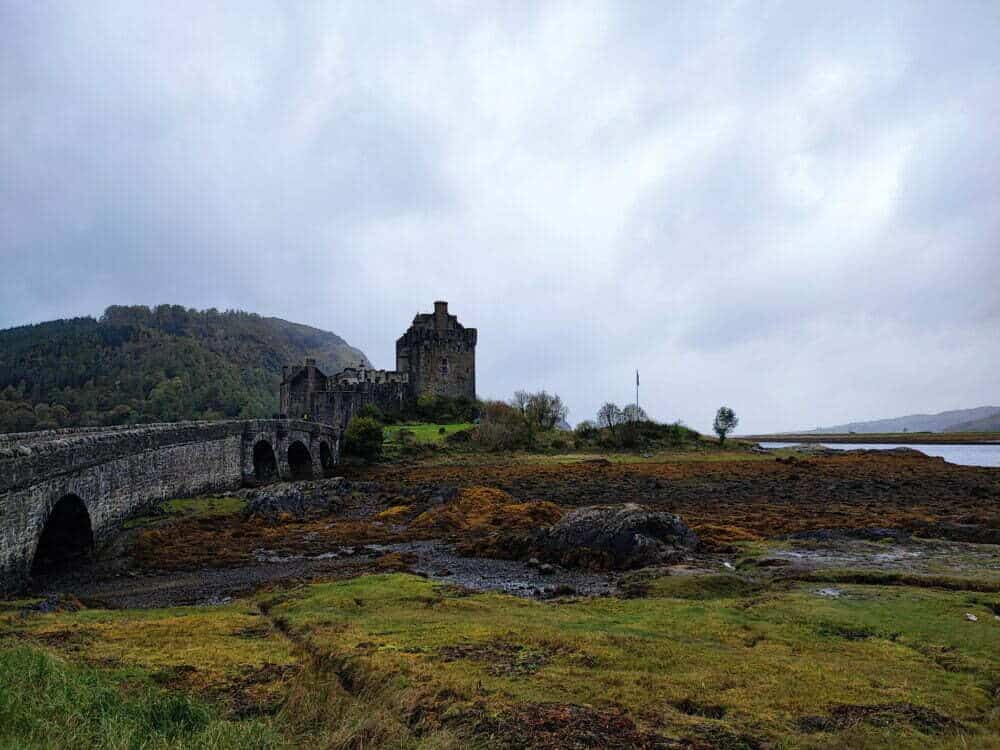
{"x": 137, "y": 364}
{"x": 986, "y": 424}
{"x": 959, "y": 420}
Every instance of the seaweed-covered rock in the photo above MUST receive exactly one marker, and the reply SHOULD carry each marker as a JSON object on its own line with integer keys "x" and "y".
{"x": 300, "y": 499}
{"x": 617, "y": 537}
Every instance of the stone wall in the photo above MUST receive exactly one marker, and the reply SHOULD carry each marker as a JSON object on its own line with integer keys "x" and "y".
{"x": 117, "y": 472}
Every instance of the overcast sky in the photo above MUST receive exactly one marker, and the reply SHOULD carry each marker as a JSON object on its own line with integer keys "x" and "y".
{"x": 788, "y": 208}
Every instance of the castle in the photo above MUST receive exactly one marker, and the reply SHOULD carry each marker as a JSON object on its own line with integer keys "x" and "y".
{"x": 435, "y": 357}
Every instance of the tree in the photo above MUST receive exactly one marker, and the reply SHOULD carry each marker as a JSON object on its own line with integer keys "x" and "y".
{"x": 725, "y": 422}
{"x": 545, "y": 410}
{"x": 363, "y": 438}
{"x": 585, "y": 430}
{"x": 610, "y": 416}
{"x": 501, "y": 426}
{"x": 633, "y": 413}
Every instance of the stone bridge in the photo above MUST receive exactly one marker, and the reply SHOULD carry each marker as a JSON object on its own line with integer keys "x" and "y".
{"x": 64, "y": 493}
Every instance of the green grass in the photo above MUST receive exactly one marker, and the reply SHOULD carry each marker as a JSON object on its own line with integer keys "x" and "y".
{"x": 47, "y": 702}
{"x": 425, "y": 433}
{"x": 769, "y": 658}
{"x": 375, "y": 651}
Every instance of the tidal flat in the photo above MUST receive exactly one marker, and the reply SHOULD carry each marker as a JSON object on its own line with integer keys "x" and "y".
{"x": 833, "y": 601}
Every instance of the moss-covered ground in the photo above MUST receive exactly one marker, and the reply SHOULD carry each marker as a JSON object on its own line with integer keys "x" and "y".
{"x": 717, "y": 660}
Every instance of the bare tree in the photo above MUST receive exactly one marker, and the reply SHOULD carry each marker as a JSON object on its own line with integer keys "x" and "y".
{"x": 546, "y": 410}
{"x": 610, "y": 416}
{"x": 725, "y": 422}
{"x": 520, "y": 401}
{"x": 633, "y": 413}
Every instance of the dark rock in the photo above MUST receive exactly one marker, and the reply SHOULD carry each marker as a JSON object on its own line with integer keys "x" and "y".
{"x": 616, "y": 537}
{"x": 300, "y": 499}
{"x": 870, "y": 534}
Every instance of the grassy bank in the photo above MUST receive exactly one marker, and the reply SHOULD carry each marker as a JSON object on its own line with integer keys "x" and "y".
{"x": 49, "y": 702}
{"x": 399, "y": 661}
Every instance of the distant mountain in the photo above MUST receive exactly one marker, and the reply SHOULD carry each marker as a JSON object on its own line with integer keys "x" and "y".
{"x": 986, "y": 424}
{"x": 168, "y": 363}
{"x": 960, "y": 420}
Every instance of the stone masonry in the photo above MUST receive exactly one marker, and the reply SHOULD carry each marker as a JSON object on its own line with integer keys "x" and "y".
{"x": 435, "y": 357}
{"x": 114, "y": 472}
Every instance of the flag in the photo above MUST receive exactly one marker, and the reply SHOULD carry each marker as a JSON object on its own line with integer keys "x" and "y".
{"x": 636, "y": 378}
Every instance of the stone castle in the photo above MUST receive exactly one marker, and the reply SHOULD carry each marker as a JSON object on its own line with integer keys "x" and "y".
{"x": 435, "y": 357}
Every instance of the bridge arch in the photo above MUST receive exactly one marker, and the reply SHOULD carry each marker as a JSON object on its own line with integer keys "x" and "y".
{"x": 67, "y": 537}
{"x": 326, "y": 457}
{"x": 300, "y": 463}
{"x": 265, "y": 462}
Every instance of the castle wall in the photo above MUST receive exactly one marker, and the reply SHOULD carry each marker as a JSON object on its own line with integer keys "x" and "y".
{"x": 439, "y": 354}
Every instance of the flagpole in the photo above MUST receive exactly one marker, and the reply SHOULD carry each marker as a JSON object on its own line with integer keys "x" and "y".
{"x": 637, "y": 395}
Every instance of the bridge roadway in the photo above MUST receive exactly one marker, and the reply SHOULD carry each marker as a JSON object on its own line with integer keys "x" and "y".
{"x": 65, "y": 493}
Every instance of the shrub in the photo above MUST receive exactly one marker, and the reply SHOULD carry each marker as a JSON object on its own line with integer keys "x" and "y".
{"x": 500, "y": 426}
{"x": 586, "y": 430}
{"x": 363, "y": 438}
{"x": 372, "y": 412}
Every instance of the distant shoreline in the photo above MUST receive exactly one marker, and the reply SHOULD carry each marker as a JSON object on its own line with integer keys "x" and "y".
{"x": 913, "y": 438}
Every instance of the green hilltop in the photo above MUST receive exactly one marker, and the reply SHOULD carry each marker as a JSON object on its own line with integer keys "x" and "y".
{"x": 138, "y": 364}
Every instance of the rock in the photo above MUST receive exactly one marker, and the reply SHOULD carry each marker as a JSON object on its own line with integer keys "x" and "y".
{"x": 971, "y": 617}
{"x": 546, "y": 570}
{"x": 617, "y": 537}
{"x": 295, "y": 500}
{"x": 533, "y": 562}
{"x": 832, "y": 593}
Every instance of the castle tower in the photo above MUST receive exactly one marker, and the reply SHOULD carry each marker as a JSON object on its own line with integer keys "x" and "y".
{"x": 439, "y": 353}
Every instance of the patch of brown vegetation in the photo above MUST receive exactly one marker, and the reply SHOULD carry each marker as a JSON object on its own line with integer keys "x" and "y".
{"x": 255, "y": 691}
{"x": 845, "y": 716}
{"x": 726, "y": 501}
{"x": 504, "y": 658}
{"x": 232, "y": 540}
{"x": 561, "y": 726}
{"x": 486, "y": 509}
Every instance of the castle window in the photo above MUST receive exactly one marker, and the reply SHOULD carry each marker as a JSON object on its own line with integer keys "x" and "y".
{"x": 444, "y": 366}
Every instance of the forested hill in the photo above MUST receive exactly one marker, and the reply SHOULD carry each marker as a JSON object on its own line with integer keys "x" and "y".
{"x": 137, "y": 364}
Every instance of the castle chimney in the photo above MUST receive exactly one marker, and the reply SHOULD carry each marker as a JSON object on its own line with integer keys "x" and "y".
{"x": 440, "y": 314}
{"x": 310, "y": 361}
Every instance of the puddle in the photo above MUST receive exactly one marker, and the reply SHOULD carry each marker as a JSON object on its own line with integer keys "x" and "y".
{"x": 437, "y": 561}
{"x": 915, "y": 556}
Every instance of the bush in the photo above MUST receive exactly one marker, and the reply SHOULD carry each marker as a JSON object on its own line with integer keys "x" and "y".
{"x": 501, "y": 426}
{"x": 442, "y": 409}
{"x": 372, "y": 412}
{"x": 586, "y": 430}
{"x": 363, "y": 438}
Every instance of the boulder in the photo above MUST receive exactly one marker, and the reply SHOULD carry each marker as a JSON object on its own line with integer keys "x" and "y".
{"x": 296, "y": 499}
{"x": 619, "y": 537}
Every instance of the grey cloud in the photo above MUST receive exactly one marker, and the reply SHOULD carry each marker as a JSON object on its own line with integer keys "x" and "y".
{"x": 787, "y": 207}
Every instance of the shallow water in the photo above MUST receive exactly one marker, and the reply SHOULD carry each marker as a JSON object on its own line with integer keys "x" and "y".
{"x": 438, "y": 561}
{"x": 961, "y": 455}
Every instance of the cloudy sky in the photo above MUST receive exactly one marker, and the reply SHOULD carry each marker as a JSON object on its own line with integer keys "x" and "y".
{"x": 791, "y": 208}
